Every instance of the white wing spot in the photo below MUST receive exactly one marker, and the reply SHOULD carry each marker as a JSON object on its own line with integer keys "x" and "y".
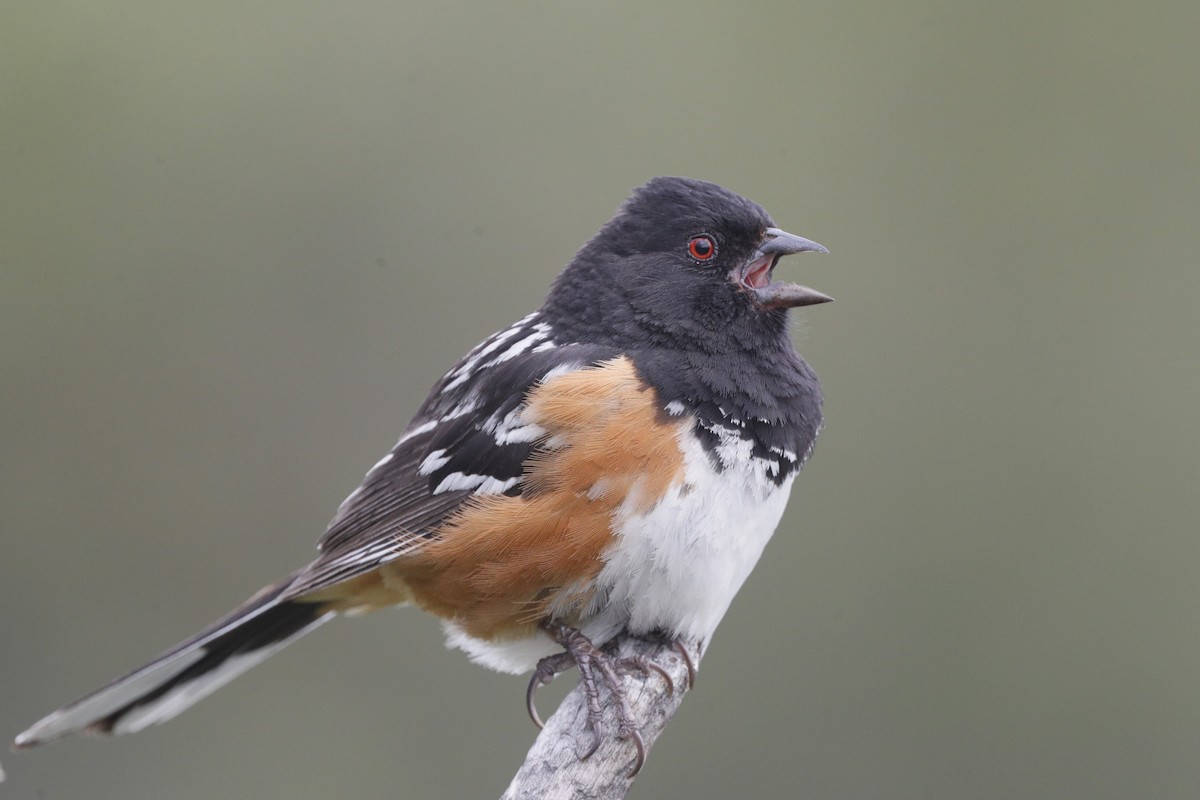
{"x": 417, "y": 431}
{"x": 464, "y": 370}
{"x": 497, "y": 340}
{"x": 433, "y": 462}
{"x": 513, "y": 428}
{"x": 538, "y": 333}
{"x": 482, "y": 484}
{"x": 460, "y": 410}
{"x": 561, "y": 369}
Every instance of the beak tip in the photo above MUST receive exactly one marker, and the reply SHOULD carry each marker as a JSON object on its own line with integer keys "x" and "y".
{"x": 784, "y": 243}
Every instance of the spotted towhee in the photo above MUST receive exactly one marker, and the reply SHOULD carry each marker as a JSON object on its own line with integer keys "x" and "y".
{"x": 613, "y": 462}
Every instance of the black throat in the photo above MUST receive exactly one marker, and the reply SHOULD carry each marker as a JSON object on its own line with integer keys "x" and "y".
{"x": 770, "y": 400}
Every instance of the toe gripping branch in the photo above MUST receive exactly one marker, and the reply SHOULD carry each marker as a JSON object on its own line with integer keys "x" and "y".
{"x": 599, "y": 665}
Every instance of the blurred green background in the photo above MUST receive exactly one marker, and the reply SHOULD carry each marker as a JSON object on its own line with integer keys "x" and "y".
{"x": 238, "y": 242}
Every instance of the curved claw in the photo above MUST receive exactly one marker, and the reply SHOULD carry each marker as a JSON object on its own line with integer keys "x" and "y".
{"x": 681, "y": 648}
{"x": 543, "y": 673}
{"x": 591, "y": 751}
{"x": 646, "y": 666}
{"x": 640, "y": 746}
{"x": 666, "y": 677}
{"x": 534, "y": 683}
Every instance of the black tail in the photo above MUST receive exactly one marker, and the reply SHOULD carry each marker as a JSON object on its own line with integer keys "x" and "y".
{"x": 187, "y": 672}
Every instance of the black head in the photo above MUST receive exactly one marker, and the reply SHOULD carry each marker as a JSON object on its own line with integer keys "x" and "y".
{"x": 684, "y": 263}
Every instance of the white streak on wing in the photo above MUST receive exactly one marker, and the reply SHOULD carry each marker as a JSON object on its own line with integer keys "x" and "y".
{"x": 561, "y": 369}
{"x": 523, "y": 433}
{"x": 460, "y": 410}
{"x": 497, "y": 486}
{"x": 520, "y": 346}
{"x": 458, "y": 480}
{"x": 543, "y": 347}
{"x": 675, "y": 408}
{"x": 459, "y": 381}
{"x": 433, "y": 462}
{"x": 417, "y": 431}
{"x": 376, "y": 553}
{"x": 482, "y": 484}
{"x": 499, "y": 339}
{"x": 513, "y": 428}
{"x": 464, "y": 370}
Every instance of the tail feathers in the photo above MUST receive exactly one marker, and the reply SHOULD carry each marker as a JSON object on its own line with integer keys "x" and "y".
{"x": 187, "y": 672}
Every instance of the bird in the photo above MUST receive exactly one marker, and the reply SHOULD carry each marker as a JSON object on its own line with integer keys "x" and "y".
{"x": 611, "y": 464}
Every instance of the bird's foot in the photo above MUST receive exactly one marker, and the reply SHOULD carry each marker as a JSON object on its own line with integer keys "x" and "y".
{"x": 597, "y": 665}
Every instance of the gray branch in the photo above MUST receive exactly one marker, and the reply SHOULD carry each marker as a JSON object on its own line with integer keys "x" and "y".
{"x": 553, "y": 770}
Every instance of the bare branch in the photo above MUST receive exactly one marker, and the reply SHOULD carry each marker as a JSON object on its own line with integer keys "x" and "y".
{"x": 553, "y": 770}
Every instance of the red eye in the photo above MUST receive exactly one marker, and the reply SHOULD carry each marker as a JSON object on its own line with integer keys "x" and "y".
{"x": 702, "y": 248}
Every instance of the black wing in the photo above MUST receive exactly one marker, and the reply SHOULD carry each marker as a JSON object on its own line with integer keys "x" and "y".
{"x": 468, "y": 438}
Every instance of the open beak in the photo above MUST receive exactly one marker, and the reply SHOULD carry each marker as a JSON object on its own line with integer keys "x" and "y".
{"x": 755, "y": 275}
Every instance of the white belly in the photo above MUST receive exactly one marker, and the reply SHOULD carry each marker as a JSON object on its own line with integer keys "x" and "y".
{"x": 676, "y": 567}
